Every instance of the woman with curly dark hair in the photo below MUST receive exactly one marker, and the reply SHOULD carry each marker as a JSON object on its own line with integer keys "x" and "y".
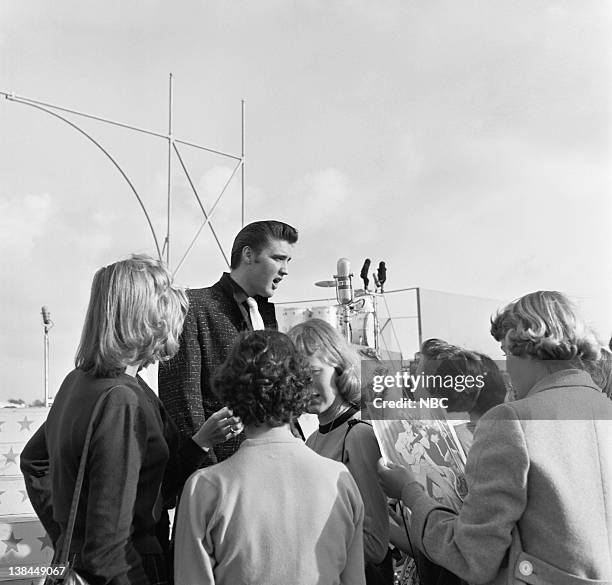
{"x": 275, "y": 512}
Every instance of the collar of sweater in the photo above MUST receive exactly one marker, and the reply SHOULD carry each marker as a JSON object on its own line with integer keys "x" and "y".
{"x": 272, "y": 435}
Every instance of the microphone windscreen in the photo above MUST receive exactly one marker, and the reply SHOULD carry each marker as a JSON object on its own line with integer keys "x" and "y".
{"x": 343, "y": 267}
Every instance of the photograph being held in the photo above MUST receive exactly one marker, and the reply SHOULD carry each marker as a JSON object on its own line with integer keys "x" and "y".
{"x": 137, "y": 461}
{"x": 539, "y": 468}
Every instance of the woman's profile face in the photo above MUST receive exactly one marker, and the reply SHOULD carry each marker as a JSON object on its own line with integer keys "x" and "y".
{"x": 324, "y": 389}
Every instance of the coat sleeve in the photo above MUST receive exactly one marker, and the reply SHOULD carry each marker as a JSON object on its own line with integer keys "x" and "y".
{"x": 179, "y": 380}
{"x": 115, "y": 458}
{"x": 194, "y": 549}
{"x": 354, "y": 570}
{"x": 34, "y": 462}
{"x": 361, "y": 457}
{"x": 186, "y": 456}
{"x": 472, "y": 543}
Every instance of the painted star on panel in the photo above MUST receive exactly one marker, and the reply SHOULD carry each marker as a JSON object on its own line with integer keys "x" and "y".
{"x": 12, "y": 542}
{"x": 45, "y": 541}
{"x": 11, "y": 456}
{"x": 25, "y": 423}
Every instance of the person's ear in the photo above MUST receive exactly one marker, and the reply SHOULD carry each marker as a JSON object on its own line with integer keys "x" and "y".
{"x": 335, "y": 376}
{"x": 247, "y": 255}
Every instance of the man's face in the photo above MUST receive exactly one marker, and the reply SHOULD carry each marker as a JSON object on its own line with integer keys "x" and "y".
{"x": 268, "y": 268}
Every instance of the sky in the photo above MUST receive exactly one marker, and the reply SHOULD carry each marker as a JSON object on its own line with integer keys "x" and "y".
{"x": 465, "y": 143}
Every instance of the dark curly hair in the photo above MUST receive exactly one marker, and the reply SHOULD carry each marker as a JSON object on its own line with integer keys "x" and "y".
{"x": 487, "y": 388}
{"x": 434, "y": 348}
{"x": 264, "y": 380}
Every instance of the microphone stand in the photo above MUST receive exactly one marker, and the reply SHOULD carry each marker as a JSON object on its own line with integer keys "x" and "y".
{"x": 376, "y": 322}
{"x": 345, "y": 316}
{"x": 47, "y": 323}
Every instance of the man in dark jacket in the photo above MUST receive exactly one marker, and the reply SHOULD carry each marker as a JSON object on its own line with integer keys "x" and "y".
{"x": 217, "y": 314}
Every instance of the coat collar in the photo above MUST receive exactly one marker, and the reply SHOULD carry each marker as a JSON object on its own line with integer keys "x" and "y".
{"x": 233, "y": 290}
{"x": 564, "y": 379}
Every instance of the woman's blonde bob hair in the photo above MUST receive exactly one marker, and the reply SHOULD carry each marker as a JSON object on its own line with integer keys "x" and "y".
{"x": 135, "y": 316}
{"x": 317, "y": 337}
{"x": 545, "y": 325}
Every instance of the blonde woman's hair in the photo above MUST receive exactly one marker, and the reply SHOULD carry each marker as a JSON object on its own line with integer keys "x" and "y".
{"x": 317, "y": 337}
{"x": 135, "y": 316}
{"x": 545, "y": 325}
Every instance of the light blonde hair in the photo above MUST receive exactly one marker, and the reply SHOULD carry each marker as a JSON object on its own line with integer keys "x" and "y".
{"x": 135, "y": 316}
{"x": 545, "y": 325}
{"x": 317, "y": 337}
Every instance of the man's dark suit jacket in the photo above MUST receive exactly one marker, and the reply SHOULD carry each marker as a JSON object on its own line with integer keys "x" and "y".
{"x": 213, "y": 323}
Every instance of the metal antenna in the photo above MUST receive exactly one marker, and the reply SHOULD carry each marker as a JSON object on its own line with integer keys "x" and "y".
{"x": 53, "y": 110}
{"x": 170, "y": 145}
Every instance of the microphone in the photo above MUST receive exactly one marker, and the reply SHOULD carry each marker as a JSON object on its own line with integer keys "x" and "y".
{"x": 364, "y": 274}
{"x": 344, "y": 287}
{"x": 382, "y": 275}
{"x": 46, "y": 315}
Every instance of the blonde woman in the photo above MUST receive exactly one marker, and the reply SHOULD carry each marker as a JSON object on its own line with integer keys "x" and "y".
{"x": 539, "y": 505}
{"x": 335, "y": 398}
{"x": 135, "y": 463}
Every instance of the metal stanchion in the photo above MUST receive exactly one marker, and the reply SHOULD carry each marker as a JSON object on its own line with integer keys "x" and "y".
{"x": 47, "y": 323}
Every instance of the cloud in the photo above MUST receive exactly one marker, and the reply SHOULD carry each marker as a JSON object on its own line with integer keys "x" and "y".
{"x": 461, "y": 139}
{"x": 323, "y": 193}
{"x": 49, "y": 258}
{"x": 203, "y": 261}
{"x": 211, "y": 185}
{"x": 23, "y": 222}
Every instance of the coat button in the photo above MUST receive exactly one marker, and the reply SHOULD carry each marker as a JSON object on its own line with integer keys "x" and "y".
{"x": 525, "y": 568}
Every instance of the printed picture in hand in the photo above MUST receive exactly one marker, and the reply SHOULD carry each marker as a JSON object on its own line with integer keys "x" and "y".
{"x": 430, "y": 449}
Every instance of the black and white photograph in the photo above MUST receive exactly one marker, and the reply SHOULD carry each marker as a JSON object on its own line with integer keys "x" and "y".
{"x": 228, "y": 228}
